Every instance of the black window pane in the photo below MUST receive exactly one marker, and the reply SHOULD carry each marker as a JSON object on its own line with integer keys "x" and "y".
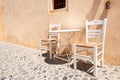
{"x": 58, "y": 4}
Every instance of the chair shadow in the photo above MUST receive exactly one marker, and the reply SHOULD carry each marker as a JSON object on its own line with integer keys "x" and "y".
{"x": 83, "y": 66}
{"x": 53, "y": 60}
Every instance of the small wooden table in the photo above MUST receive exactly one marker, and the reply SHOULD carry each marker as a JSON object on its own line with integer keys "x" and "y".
{"x": 64, "y": 31}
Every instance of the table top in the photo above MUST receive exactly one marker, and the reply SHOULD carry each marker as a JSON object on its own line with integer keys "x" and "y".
{"x": 65, "y": 30}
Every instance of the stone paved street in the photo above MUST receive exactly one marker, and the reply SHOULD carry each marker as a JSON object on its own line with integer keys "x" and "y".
{"x": 23, "y": 63}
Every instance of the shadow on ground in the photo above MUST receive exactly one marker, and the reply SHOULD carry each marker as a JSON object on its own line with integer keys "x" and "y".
{"x": 83, "y": 66}
{"x": 53, "y": 60}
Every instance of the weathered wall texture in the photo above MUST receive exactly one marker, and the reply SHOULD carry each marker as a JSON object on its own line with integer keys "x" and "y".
{"x": 26, "y": 22}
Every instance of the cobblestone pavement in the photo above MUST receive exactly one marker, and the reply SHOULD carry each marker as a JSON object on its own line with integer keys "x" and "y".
{"x": 23, "y": 63}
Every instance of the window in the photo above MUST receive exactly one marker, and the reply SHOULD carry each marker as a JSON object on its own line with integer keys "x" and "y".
{"x": 58, "y": 5}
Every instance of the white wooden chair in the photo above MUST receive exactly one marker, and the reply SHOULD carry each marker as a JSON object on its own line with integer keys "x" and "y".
{"x": 46, "y": 45}
{"x": 96, "y": 47}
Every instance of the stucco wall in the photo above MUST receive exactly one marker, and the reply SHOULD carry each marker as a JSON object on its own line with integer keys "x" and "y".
{"x": 112, "y": 49}
{"x": 26, "y": 22}
{"x": 1, "y": 33}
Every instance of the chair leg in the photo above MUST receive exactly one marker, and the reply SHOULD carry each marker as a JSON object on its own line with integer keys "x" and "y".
{"x": 50, "y": 48}
{"x": 95, "y": 61}
{"x": 75, "y": 64}
{"x": 102, "y": 62}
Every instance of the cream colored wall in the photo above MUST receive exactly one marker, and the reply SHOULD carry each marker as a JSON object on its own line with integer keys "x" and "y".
{"x": 112, "y": 49}
{"x": 1, "y": 33}
{"x": 26, "y": 22}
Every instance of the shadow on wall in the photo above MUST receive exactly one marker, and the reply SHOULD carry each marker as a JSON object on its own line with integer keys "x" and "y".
{"x": 90, "y": 16}
{"x": 93, "y": 11}
{"x": 104, "y": 14}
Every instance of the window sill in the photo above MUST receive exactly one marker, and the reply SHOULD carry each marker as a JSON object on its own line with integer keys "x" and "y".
{"x": 58, "y": 11}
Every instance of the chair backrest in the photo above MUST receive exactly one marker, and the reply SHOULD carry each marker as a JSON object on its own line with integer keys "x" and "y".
{"x": 96, "y": 33}
{"x": 54, "y": 27}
